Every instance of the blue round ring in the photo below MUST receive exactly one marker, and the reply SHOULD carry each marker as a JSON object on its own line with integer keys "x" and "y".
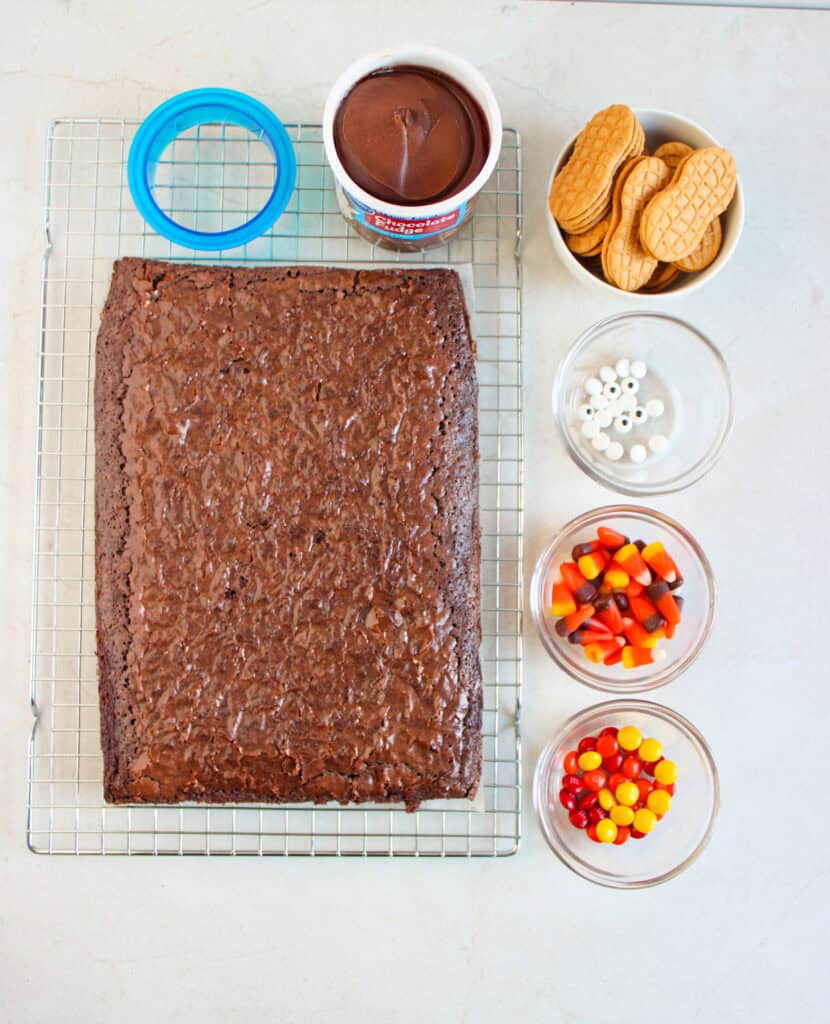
{"x": 203, "y": 106}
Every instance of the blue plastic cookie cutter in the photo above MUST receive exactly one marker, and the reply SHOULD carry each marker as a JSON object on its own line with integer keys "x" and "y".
{"x": 204, "y": 106}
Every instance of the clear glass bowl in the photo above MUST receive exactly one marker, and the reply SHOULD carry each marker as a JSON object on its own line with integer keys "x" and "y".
{"x": 698, "y": 592}
{"x": 685, "y": 370}
{"x": 677, "y": 840}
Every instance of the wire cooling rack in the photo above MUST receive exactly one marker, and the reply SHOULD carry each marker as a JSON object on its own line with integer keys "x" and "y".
{"x": 211, "y": 178}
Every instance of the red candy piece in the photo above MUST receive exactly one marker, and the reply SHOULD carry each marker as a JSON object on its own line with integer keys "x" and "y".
{"x": 636, "y": 833}
{"x": 567, "y": 799}
{"x": 616, "y": 779}
{"x": 631, "y": 767}
{"x": 611, "y": 539}
{"x": 571, "y": 764}
{"x": 607, "y": 745}
{"x": 586, "y": 743}
{"x": 579, "y": 819}
{"x": 594, "y": 780}
{"x": 668, "y": 788}
{"x": 609, "y": 730}
{"x": 596, "y": 814}
{"x": 623, "y": 832}
{"x": 573, "y": 783}
{"x": 645, "y": 787}
{"x": 613, "y": 764}
{"x": 587, "y": 801}
{"x": 591, "y": 832}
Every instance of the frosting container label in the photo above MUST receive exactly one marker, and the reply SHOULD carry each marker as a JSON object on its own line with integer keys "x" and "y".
{"x": 406, "y": 227}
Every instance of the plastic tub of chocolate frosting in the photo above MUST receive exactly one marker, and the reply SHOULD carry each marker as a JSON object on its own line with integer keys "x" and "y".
{"x": 412, "y": 135}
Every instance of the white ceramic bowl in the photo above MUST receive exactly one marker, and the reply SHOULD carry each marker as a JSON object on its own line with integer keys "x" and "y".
{"x": 660, "y": 126}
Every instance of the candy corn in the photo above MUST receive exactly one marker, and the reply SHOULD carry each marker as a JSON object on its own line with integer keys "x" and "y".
{"x": 646, "y": 614}
{"x": 616, "y": 599}
{"x": 657, "y": 558}
{"x": 616, "y": 577}
{"x": 581, "y": 589}
{"x": 611, "y": 617}
{"x": 667, "y": 606}
{"x": 614, "y": 658}
{"x": 575, "y": 619}
{"x": 635, "y": 657}
{"x": 591, "y": 565}
{"x": 563, "y": 601}
{"x": 611, "y": 539}
{"x": 630, "y": 559}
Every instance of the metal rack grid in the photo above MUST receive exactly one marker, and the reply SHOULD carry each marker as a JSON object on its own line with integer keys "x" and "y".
{"x": 210, "y": 178}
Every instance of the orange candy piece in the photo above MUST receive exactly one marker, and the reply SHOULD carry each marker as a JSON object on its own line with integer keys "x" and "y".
{"x": 592, "y": 565}
{"x": 630, "y": 559}
{"x": 562, "y": 601}
{"x": 656, "y": 556}
{"x": 575, "y": 619}
{"x": 635, "y": 657}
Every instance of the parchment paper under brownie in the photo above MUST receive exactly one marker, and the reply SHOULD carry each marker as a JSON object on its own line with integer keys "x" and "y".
{"x": 287, "y": 539}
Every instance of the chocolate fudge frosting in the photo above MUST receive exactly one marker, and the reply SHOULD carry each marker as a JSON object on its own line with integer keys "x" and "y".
{"x": 287, "y": 549}
{"x": 411, "y": 135}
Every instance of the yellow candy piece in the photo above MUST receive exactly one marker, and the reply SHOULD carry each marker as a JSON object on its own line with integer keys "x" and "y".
{"x": 621, "y": 815}
{"x": 645, "y": 820}
{"x": 606, "y": 831}
{"x": 589, "y": 760}
{"x": 659, "y": 801}
{"x": 665, "y": 772}
{"x": 651, "y": 750}
{"x": 627, "y": 793}
{"x": 606, "y": 799}
{"x": 629, "y": 738}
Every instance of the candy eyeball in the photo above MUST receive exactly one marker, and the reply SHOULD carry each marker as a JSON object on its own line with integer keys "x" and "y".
{"x": 622, "y": 424}
{"x": 601, "y": 442}
{"x": 630, "y": 385}
{"x": 623, "y": 367}
{"x": 612, "y": 390}
{"x": 589, "y": 429}
{"x": 607, "y": 374}
{"x": 585, "y": 411}
{"x": 639, "y": 414}
{"x": 655, "y": 408}
{"x": 638, "y": 369}
{"x": 628, "y": 403}
{"x": 599, "y": 402}
{"x": 593, "y": 386}
{"x": 638, "y": 453}
{"x": 614, "y": 451}
{"x": 604, "y": 418}
{"x": 658, "y": 444}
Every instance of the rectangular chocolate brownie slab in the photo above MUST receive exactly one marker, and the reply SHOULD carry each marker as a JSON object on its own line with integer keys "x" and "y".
{"x": 287, "y": 537}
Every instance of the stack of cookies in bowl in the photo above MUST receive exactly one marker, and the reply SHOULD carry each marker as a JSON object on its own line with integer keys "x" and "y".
{"x": 641, "y": 223}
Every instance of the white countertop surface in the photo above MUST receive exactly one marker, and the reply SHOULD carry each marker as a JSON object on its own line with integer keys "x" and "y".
{"x": 738, "y": 937}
